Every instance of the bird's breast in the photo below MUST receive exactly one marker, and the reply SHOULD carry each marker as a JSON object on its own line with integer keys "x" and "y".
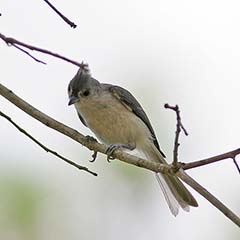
{"x": 111, "y": 121}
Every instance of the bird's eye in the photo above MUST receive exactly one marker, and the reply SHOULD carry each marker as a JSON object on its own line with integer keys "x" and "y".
{"x": 86, "y": 93}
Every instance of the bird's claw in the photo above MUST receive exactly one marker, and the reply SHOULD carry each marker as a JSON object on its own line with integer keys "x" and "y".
{"x": 113, "y": 147}
{"x": 94, "y": 157}
{"x": 110, "y": 150}
{"x": 91, "y": 139}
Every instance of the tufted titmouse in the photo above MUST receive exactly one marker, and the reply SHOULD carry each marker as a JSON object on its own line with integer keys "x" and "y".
{"x": 117, "y": 119}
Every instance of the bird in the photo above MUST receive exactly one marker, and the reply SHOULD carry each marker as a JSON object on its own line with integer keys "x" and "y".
{"x": 117, "y": 119}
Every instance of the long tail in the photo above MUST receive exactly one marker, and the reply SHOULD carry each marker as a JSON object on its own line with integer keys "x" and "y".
{"x": 175, "y": 193}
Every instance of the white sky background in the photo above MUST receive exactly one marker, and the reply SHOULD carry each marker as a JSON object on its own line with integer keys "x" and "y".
{"x": 184, "y": 52}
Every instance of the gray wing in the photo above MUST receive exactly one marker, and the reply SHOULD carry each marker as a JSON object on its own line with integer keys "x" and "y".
{"x": 82, "y": 119}
{"x": 128, "y": 99}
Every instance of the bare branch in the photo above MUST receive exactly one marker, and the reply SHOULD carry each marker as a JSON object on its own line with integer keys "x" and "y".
{"x": 214, "y": 201}
{"x": 179, "y": 127}
{"x": 199, "y": 163}
{"x": 75, "y": 135}
{"x": 44, "y": 147}
{"x": 95, "y": 146}
{"x": 72, "y": 24}
{"x": 231, "y": 154}
{"x": 14, "y": 42}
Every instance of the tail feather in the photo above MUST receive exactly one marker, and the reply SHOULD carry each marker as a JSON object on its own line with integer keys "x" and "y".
{"x": 170, "y": 199}
{"x": 175, "y": 193}
{"x": 181, "y": 193}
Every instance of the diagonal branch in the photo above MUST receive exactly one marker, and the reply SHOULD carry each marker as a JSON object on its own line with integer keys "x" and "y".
{"x": 75, "y": 135}
{"x": 72, "y": 24}
{"x": 213, "y": 200}
{"x": 14, "y": 42}
{"x": 97, "y": 147}
{"x": 44, "y": 147}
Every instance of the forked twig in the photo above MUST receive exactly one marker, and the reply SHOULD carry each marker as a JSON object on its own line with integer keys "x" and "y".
{"x": 179, "y": 127}
{"x": 14, "y": 42}
{"x": 228, "y": 155}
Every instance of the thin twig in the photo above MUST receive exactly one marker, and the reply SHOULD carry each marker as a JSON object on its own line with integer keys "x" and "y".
{"x": 11, "y": 41}
{"x": 235, "y": 162}
{"x": 72, "y": 24}
{"x": 26, "y": 52}
{"x": 231, "y": 154}
{"x": 44, "y": 147}
{"x": 213, "y": 200}
{"x": 179, "y": 127}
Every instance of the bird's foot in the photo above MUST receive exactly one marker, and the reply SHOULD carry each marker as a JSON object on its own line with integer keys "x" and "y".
{"x": 113, "y": 147}
{"x": 92, "y": 139}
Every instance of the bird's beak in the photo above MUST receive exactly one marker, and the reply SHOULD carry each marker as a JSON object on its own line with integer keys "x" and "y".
{"x": 72, "y": 100}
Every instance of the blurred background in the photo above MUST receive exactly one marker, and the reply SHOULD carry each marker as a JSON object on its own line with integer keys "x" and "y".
{"x": 177, "y": 52}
